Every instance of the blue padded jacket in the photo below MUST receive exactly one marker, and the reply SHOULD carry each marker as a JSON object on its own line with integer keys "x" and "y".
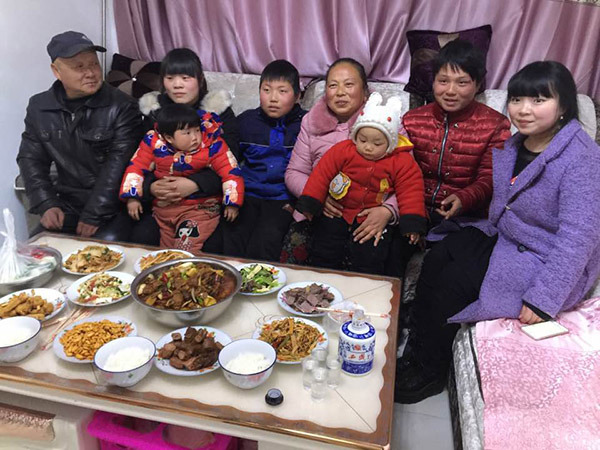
{"x": 266, "y": 146}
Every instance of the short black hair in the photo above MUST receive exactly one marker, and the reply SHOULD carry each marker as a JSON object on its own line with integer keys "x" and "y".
{"x": 463, "y": 55}
{"x": 548, "y": 79}
{"x": 183, "y": 61}
{"x": 283, "y": 70}
{"x": 176, "y": 116}
{"x": 357, "y": 66}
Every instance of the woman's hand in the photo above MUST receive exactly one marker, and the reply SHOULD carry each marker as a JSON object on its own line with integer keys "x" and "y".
{"x": 373, "y": 226}
{"x": 332, "y": 208}
{"x": 528, "y": 316}
{"x": 172, "y": 189}
{"x": 451, "y": 206}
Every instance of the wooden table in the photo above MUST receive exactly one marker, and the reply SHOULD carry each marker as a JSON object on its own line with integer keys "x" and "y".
{"x": 357, "y": 414}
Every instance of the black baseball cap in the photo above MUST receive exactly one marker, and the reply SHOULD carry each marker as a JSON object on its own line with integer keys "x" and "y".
{"x": 70, "y": 43}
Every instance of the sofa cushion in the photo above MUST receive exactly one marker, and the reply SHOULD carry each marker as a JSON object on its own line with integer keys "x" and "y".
{"x": 134, "y": 77}
{"x": 242, "y": 87}
{"x": 424, "y": 45}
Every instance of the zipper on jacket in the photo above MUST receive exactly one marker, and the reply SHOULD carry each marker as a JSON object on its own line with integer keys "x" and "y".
{"x": 439, "y": 169}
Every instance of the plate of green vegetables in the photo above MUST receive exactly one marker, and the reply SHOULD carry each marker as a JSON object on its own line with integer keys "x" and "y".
{"x": 261, "y": 279}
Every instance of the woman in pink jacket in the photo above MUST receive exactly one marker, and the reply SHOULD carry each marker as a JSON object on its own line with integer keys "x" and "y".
{"x": 328, "y": 122}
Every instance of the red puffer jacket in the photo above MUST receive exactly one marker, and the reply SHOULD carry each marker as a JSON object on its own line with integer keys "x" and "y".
{"x": 455, "y": 152}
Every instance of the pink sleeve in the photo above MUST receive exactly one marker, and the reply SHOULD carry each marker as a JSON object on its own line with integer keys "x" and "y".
{"x": 300, "y": 165}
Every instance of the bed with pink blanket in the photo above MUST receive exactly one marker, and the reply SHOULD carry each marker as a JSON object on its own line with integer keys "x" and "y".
{"x": 538, "y": 394}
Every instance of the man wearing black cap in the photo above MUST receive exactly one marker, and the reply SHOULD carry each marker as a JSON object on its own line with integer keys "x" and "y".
{"x": 89, "y": 130}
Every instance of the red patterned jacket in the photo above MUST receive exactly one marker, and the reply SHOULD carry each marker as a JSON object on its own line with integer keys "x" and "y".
{"x": 371, "y": 183}
{"x": 156, "y": 155}
{"x": 455, "y": 152}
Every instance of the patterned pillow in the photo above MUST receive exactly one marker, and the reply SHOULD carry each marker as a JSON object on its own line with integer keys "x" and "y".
{"x": 134, "y": 77}
{"x": 424, "y": 45}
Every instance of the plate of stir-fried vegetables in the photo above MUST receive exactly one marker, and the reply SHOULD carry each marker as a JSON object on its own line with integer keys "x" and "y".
{"x": 261, "y": 279}
{"x": 186, "y": 286}
{"x": 100, "y": 289}
{"x": 93, "y": 259}
{"x": 293, "y": 338}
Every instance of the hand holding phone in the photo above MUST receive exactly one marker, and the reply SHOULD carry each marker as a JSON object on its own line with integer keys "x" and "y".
{"x": 544, "y": 330}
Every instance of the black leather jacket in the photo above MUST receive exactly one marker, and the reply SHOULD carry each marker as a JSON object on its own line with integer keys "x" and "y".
{"x": 89, "y": 147}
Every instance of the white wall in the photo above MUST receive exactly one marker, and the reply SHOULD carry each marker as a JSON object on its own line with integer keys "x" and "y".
{"x": 26, "y": 27}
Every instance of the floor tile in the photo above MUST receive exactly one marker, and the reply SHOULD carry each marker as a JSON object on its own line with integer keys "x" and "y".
{"x": 436, "y": 406}
{"x": 414, "y": 431}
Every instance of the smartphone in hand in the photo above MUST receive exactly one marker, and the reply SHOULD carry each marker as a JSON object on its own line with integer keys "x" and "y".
{"x": 544, "y": 330}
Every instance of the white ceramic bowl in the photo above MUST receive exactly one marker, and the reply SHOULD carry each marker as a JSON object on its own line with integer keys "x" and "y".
{"x": 19, "y": 351}
{"x": 129, "y": 377}
{"x": 235, "y": 348}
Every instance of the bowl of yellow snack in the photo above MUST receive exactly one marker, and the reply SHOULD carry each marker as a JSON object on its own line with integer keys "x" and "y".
{"x": 79, "y": 342}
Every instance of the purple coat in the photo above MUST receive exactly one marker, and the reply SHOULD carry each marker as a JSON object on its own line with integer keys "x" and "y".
{"x": 548, "y": 225}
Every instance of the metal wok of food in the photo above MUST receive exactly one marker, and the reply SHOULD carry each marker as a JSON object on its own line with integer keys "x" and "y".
{"x": 191, "y": 291}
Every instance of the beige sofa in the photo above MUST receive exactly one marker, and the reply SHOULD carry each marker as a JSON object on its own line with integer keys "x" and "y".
{"x": 244, "y": 91}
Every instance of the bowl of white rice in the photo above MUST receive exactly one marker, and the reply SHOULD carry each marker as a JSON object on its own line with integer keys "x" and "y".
{"x": 247, "y": 363}
{"x": 124, "y": 361}
{"x": 19, "y": 337}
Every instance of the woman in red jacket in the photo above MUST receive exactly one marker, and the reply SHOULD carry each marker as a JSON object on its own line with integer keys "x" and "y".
{"x": 362, "y": 173}
{"x": 454, "y": 136}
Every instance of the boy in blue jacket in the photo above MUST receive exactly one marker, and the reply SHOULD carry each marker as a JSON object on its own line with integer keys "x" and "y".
{"x": 267, "y": 137}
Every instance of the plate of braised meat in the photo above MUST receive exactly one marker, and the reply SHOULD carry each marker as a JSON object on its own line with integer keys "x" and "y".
{"x": 190, "y": 351}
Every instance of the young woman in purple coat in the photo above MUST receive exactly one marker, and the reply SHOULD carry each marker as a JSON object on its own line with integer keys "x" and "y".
{"x": 537, "y": 254}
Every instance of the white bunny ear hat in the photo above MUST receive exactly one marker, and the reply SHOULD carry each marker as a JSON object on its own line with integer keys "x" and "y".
{"x": 386, "y": 118}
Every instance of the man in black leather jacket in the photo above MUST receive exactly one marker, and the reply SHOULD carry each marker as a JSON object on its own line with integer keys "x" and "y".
{"x": 89, "y": 130}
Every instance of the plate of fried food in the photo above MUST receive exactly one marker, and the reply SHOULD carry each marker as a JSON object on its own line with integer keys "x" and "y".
{"x": 100, "y": 289}
{"x": 190, "y": 351}
{"x": 261, "y": 279}
{"x": 79, "y": 342}
{"x": 93, "y": 259}
{"x": 41, "y": 304}
{"x": 159, "y": 256}
{"x": 303, "y": 298}
{"x": 293, "y": 338}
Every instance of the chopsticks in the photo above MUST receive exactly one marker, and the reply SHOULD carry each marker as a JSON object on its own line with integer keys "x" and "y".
{"x": 351, "y": 312}
{"x": 78, "y": 314}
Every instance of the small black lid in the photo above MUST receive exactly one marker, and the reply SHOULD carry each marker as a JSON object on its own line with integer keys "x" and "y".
{"x": 274, "y": 397}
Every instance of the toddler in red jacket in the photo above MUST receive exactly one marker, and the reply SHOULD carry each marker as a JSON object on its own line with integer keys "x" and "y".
{"x": 184, "y": 142}
{"x": 361, "y": 173}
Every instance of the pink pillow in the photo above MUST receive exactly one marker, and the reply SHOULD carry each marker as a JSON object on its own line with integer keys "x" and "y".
{"x": 424, "y": 45}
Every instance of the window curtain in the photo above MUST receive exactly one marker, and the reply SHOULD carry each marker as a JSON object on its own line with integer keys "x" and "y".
{"x": 244, "y": 35}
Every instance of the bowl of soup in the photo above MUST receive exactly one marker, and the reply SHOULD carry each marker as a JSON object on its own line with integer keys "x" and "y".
{"x": 191, "y": 291}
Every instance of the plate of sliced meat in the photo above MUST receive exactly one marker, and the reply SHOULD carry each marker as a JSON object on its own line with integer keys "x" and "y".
{"x": 303, "y": 298}
{"x": 190, "y": 351}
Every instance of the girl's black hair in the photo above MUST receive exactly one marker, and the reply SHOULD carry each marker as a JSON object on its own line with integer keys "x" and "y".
{"x": 281, "y": 69}
{"x": 183, "y": 61}
{"x": 548, "y": 79}
{"x": 176, "y": 116}
{"x": 459, "y": 54}
{"x": 354, "y": 63}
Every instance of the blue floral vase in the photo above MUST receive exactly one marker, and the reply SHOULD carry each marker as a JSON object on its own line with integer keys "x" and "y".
{"x": 357, "y": 345}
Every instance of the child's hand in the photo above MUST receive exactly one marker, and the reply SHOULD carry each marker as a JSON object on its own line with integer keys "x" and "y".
{"x": 231, "y": 213}
{"x": 413, "y": 238}
{"x": 134, "y": 208}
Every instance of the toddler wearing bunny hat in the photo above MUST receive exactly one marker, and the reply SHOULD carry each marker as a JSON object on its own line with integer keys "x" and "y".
{"x": 362, "y": 173}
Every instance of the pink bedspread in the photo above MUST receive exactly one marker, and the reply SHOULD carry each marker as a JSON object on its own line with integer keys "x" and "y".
{"x": 542, "y": 394}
